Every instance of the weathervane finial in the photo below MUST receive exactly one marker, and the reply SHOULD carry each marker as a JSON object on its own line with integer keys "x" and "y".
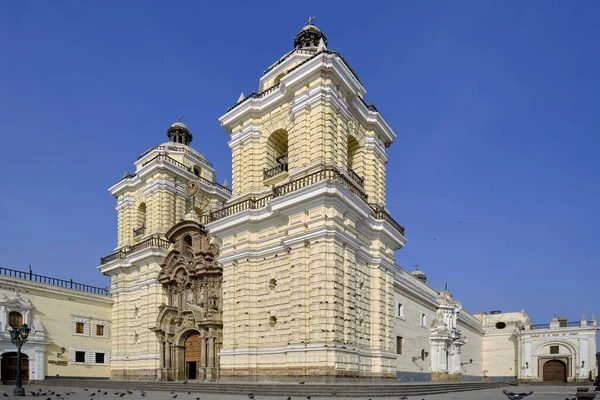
{"x": 179, "y": 119}
{"x": 310, "y": 20}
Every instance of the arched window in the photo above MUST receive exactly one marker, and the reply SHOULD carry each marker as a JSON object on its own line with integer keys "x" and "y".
{"x": 278, "y": 78}
{"x": 187, "y": 240}
{"x": 197, "y": 170}
{"x": 140, "y": 227}
{"x": 353, "y": 164}
{"x": 276, "y": 161}
{"x": 15, "y": 319}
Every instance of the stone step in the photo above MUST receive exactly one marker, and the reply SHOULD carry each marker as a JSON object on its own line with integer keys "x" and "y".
{"x": 281, "y": 389}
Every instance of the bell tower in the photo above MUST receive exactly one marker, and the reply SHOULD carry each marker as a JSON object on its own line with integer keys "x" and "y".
{"x": 307, "y": 244}
{"x": 172, "y": 183}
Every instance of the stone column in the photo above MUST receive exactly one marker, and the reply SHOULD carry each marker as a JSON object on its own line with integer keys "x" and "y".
{"x": 211, "y": 352}
{"x": 168, "y": 355}
{"x": 162, "y": 353}
{"x": 203, "y": 354}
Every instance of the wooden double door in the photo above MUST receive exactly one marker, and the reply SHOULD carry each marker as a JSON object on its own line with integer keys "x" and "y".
{"x": 8, "y": 368}
{"x": 555, "y": 371}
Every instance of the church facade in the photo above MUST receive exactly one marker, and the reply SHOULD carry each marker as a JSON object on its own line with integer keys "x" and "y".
{"x": 291, "y": 272}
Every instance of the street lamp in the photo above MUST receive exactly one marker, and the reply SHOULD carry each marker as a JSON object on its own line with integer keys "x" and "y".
{"x": 19, "y": 336}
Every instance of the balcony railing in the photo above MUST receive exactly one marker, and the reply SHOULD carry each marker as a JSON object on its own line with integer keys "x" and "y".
{"x": 271, "y": 172}
{"x": 563, "y": 324}
{"x": 54, "y": 281}
{"x": 540, "y": 326}
{"x": 123, "y": 252}
{"x": 357, "y": 178}
{"x": 164, "y": 157}
{"x": 177, "y": 149}
{"x": 326, "y": 174}
{"x": 139, "y": 231}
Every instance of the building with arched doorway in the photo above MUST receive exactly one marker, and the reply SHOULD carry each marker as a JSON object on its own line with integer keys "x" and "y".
{"x": 70, "y": 325}
{"x": 559, "y": 351}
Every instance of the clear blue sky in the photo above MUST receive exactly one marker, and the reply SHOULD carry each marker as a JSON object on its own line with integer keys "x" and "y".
{"x": 495, "y": 104}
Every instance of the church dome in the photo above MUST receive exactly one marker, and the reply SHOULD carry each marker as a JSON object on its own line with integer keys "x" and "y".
{"x": 179, "y": 133}
{"x": 420, "y": 275}
{"x": 309, "y": 37}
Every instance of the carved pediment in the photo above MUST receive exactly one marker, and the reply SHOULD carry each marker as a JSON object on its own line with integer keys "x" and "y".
{"x": 16, "y": 302}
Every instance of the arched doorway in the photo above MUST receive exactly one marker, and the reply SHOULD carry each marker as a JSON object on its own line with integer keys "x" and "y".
{"x": 192, "y": 354}
{"x": 8, "y": 367}
{"x": 555, "y": 371}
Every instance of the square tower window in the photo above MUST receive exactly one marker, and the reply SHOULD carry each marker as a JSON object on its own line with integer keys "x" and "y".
{"x": 80, "y": 356}
{"x": 400, "y": 310}
{"x": 99, "y": 358}
{"x": 79, "y": 327}
{"x": 399, "y": 345}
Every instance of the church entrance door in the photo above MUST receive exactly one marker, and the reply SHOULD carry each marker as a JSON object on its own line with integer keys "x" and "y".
{"x": 193, "y": 354}
{"x": 555, "y": 371}
{"x": 8, "y": 369}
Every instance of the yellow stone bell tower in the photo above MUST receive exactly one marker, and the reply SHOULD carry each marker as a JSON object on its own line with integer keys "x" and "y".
{"x": 150, "y": 202}
{"x": 307, "y": 244}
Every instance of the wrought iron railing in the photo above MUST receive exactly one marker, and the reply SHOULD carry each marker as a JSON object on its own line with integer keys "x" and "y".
{"x": 126, "y": 250}
{"x": 54, "y": 281}
{"x": 357, "y": 178}
{"x": 271, "y": 172}
{"x": 218, "y": 186}
{"x": 540, "y": 326}
{"x": 139, "y": 231}
{"x": 326, "y": 174}
{"x": 380, "y": 213}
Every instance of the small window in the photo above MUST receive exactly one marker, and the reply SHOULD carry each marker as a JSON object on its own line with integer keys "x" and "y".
{"x": 15, "y": 319}
{"x": 500, "y": 325}
{"x": 423, "y": 319}
{"x": 553, "y": 349}
{"x": 423, "y": 354}
{"x": 79, "y": 327}
{"x": 400, "y": 310}
{"x": 99, "y": 358}
{"x": 399, "y": 345}
{"x": 99, "y": 330}
{"x": 80, "y": 356}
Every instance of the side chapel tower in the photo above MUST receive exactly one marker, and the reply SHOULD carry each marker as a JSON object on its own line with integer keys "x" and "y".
{"x": 307, "y": 244}
{"x": 164, "y": 273}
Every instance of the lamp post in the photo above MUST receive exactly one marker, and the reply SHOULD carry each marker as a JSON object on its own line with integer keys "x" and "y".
{"x": 19, "y": 336}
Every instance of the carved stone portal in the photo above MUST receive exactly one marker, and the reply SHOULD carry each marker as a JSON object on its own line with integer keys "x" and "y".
{"x": 190, "y": 326}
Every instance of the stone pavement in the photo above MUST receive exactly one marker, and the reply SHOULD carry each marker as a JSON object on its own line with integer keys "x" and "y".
{"x": 78, "y": 393}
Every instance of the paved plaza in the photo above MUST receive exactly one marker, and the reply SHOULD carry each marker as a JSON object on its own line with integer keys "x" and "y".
{"x": 79, "y": 393}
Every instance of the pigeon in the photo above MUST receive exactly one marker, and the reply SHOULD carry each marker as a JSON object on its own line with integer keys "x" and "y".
{"x": 302, "y": 383}
{"x": 289, "y": 398}
{"x": 104, "y": 394}
{"x": 93, "y": 394}
{"x": 250, "y": 396}
{"x": 308, "y": 397}
{"x": 122, "y": 394}
{"x": 189, "y": 392}
{"x": 143, "y": 394}
{"x": 99, "y": 390}
{"x": 403, "y": 398}
{"x": 515, "y": 396}
{"x": 172, "y": 391}
{"x": 85, "y": 389}
{"x": 174, "y": 397}
{"x": 185, "y": 382}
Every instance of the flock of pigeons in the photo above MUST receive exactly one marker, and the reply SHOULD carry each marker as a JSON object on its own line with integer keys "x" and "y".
{"x": 52, "y": 395}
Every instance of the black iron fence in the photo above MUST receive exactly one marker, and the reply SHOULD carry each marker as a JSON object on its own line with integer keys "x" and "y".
{"x": 54, "y": 281}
